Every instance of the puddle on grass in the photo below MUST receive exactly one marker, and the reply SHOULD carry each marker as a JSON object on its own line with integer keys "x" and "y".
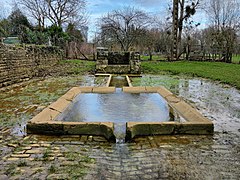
{"x": 219, "y": 102}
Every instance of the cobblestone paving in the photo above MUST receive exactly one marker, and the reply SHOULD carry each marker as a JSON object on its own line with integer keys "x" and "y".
{"x": 158, "y": 157}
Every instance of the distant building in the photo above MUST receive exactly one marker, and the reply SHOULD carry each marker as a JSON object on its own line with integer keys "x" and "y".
{"x": 11, "y": 40}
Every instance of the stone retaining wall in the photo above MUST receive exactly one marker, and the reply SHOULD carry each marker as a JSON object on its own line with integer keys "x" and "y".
{"x": 133, "y": 67}
{"x": 18, "y": 64}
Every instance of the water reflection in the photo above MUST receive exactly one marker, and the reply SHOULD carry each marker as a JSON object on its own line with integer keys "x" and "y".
{"x": 117, "y": 107}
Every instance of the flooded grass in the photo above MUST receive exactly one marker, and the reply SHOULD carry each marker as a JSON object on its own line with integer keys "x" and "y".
{"x": 223, "y": 72}
{"x": 22, "y": 103}
{"x": 170, "y": 82}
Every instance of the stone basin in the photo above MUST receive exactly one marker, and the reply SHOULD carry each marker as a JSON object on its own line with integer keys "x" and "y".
{"x": 47, "y": 122}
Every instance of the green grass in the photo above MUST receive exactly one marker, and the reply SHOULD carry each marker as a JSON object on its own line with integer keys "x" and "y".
{"x": 154, "y": 57}
{"x": 236, "y": 59}
{"x": 78, "y": 66}
{"x": 223, "y": 72}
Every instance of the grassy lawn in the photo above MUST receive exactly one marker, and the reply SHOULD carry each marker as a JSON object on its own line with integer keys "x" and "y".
{"x": 154, "y": 57}
{"x": 223, "y": 72}
{"x": 236, "y": 59}
{"x": 78, "y": 66}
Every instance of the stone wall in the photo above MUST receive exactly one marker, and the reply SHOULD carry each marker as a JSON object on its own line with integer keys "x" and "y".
{"x": 18, "y": 64}
{"x": 119, "y": 63}
{"x": 134, "y": 67}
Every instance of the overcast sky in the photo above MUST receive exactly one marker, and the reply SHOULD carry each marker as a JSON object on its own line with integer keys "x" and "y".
{"x": 98, "y": 8}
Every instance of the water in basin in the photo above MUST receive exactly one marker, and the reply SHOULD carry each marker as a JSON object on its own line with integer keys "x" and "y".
{"x": 117, "y": 107}
{"x": 118, "y": 81}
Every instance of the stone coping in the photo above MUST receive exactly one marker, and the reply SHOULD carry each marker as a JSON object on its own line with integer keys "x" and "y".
{"x": 45, "y": 122}
{"x": 110, "y": 78}
{"x": 129, "y": 81}
{"x": 195, "y": 122}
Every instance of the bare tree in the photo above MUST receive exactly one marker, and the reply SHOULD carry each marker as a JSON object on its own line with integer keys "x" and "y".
{"x": 182, "y": 12}
{"x": 149, "y": 41}
{"x": 187, "y": 9}
{"x": 225, "y": 19}
{"x": 224, "y": 13}
{"x": 58, "y": 12}
{"x": 64, "y": 11}
{"x": 124, "y": 26}
{"x": 37, "y": 10}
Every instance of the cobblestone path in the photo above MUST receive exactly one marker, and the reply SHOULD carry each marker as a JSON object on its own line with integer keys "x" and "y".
{"x": 159, "y": 157}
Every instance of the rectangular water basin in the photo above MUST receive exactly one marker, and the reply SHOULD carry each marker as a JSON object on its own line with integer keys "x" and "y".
{"x": 117, "y": 107}
{"x": 143, "y": 110}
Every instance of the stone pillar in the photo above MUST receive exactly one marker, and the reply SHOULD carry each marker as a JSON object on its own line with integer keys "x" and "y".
{"x": 135, "y": 66}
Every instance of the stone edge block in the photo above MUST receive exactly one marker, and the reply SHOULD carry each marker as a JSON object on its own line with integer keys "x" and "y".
{"x": 151, "y": 89}
{"x": 129, "y": 81}
{"x": 167, "y": 128}
{"x": 81, "y": 128}
{"x": 189, "y": 113}
{"x": 149, "y": 129}
{"x": 86, "y": 89}
{"x": 104, "y": 89}
{"x": 72, "y": 93}
{"x": 72, "y": 128}
{"x": 60, "y": 105}
{"x": 47, "y": 128}
{"x": 195, "y": 128}
{"x": 138, "y": 89}
{"x": 164, "y": 92}
{"x": 46, "y": 115}
{"x": 109, "y": 80}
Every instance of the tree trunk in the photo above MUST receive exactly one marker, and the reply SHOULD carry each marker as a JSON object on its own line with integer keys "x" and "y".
{"x": 79, "y": 50}
{"x": 67, "y": 49}
{"x": 150, "y": 53}
{"x": 180, "y": 23}
{"x": 174, "y": 47}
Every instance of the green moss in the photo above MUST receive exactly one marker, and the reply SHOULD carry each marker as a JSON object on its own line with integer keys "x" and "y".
{"x": 52, "y": 169}
{"x": 22, "y": 163}
{"x": 11, "y": 169}
{"x": 46, "y": 154}
{"x": 80, "y": 169}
